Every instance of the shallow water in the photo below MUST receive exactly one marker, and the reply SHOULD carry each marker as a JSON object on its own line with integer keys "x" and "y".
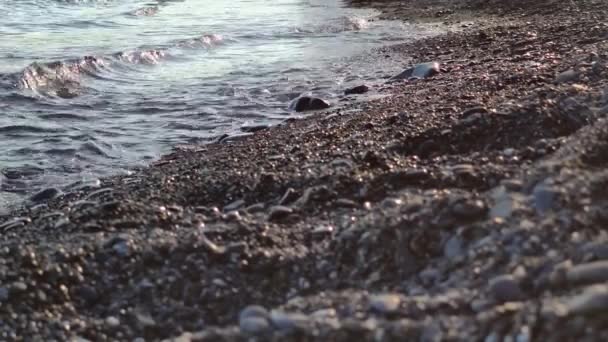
{"x": 92, "y": 88}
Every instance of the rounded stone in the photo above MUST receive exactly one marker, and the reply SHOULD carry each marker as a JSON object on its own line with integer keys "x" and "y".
{"x": 254, "y": 311}
{"x": 385, "y": 304}
{"x": 254, "y": 325}
{"x": 505, "y": 288}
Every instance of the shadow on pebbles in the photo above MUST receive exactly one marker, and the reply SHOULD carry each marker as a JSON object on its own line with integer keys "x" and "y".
{"x": 470, "y": 205}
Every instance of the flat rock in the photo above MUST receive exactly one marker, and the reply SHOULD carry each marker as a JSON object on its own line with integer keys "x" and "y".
{"x": 422, "y": 70}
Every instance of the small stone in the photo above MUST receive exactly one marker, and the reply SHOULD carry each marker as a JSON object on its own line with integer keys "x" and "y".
{"x": 361, "y": 89}
{"x": 145, "y": 320}
{"x": 469, "y": 209}
{"x": 385, "y": 304}
{"x": 567, "y": 76}
{"x": 422, "y": 70}
{"x": 254, "y": 320}
{"x": 306, "y": 103}
{"x": 346, "y": 203}
{"x": 234, "y": 205}
{"x": 232, "y": 216}
{"x": 596, "y": 250}
{"x": 112, "y": 321}
{"x": 255, "y": 208}
{"x": 589, "y": 273}
{"x": 289, "y": 196}
{"x": 4, "y": 294}
{"x": 505, "y": 288}
{"x": 288, "y": 321}
{"x": 18, "y": 287}
{"x": 453, "y": 247}
{"x": 593, "y": 300}
{"x": 324, "y": 313}
{"x": 544, "y": 197}
{"x": 121, "y": 248}
{"x": 45, "y": 195}
{"x": 279, "y": 212}
{"x": 253, "y": 311}
{"x": 88, "y": 294}
{"x": 254, "y": 325}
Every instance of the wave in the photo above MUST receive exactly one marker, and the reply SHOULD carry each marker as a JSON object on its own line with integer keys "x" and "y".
{"x": 64, "y": 79}
{"x": 342, "y": 24}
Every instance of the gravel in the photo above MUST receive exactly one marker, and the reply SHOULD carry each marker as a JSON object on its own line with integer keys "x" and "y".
{"x": 469, "y": 205}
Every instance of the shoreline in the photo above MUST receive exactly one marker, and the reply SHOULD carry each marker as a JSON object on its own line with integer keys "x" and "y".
{"x": 468, "y": 205}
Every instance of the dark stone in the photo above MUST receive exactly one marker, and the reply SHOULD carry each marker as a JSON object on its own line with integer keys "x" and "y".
{"x": 279, "y": 212}
{"x": 45, "y": 195}
{"x": 88, "y": 294}
{"x": 306, "y": 103}
{"x": 505, "y": 288}
{"x": 423, "y": 70}
{"x": 469, "y": 209}
{"x": 362, "y": 89}
{"x": 253, "y": 129}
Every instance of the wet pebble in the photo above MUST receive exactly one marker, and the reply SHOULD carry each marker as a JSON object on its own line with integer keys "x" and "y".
{"x": 505, "y": 288}
{"x": 306, "y": 103}
{"x": 45, "y": 195}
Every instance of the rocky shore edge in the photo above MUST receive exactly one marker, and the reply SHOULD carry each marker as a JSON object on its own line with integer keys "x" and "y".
{"x": 468, "y": 205}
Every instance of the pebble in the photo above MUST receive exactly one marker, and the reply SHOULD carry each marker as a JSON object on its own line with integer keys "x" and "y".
{"x": 361, "y": 89}
{"x": 453, "y": 247}
{"x": 593, "y": 299}
{"x": 306, "y": 103}
{"x": 544, "y": 197}
{"x": 112, "y": 321}
{"x": 254, "y": 320}
{"x": 279, "y": 212}
{"x": 253, "y": 311}
{"x": 255, "y": 208}
{"x": 385, "y": 304}
{"x": 4, "y": 294}
{"x": 505, "y": 288}
{"x": 596, "y": 250}
{"x": 589, "y": 273}
{"x": 422, "y": 70}
{"x": 288, "y": 321}
{"x": 45, "y": 195}
{"x": 234, "y": 205}
{"x": 469, "y": 209}
{"x": 567, "y": 76}
{"x": 18, "y": 287}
